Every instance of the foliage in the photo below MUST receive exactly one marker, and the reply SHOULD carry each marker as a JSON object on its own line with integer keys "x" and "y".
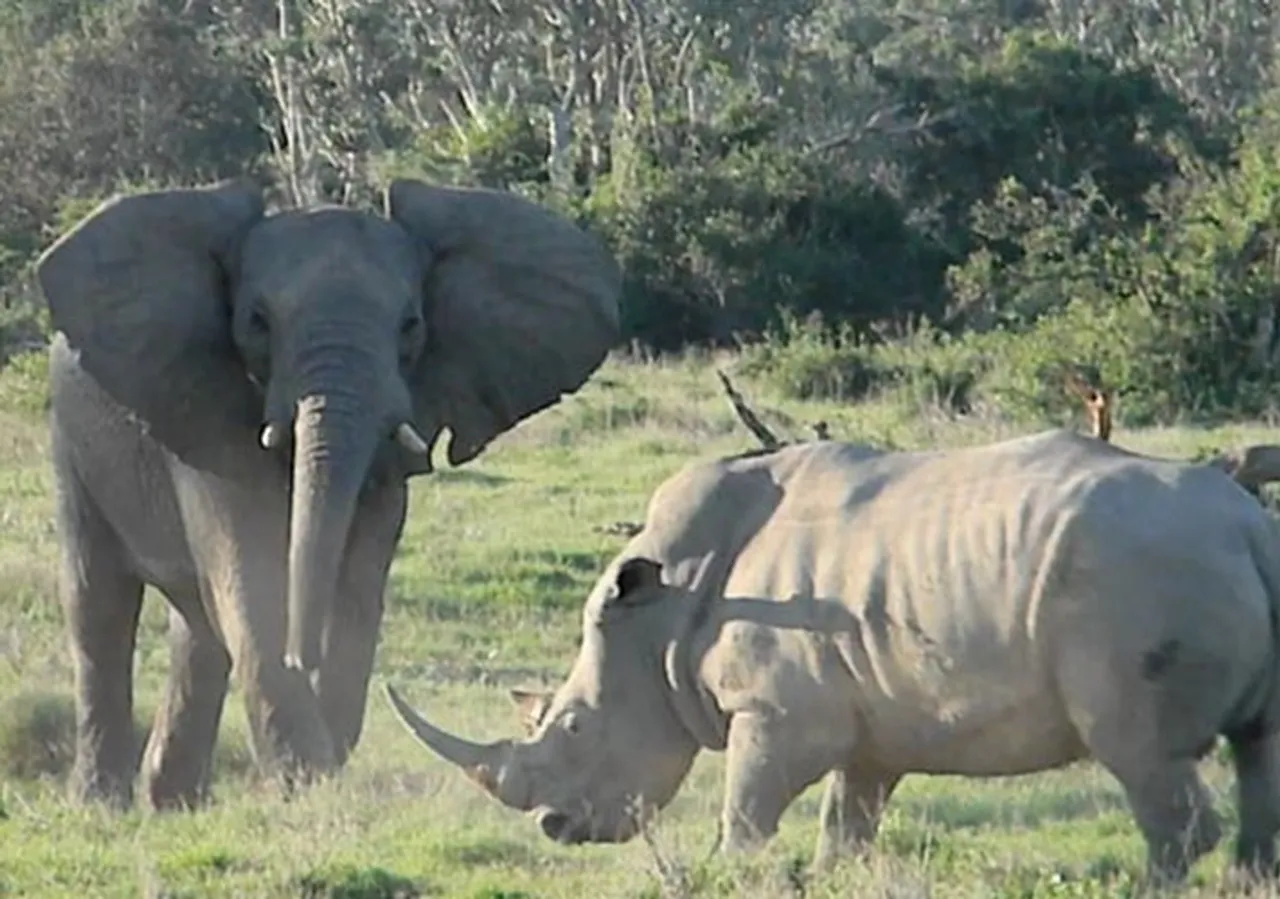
{"x": 926, "y": 183}
{"x": 467, "y": 618}
{"x": 350, "y": 882}
{"x": 24, "y": 381}
{"x": 37, "y": 732}
{"x": 1043, "y": 113}
{"x": 123, "y": 91}
{"x": 727, "y": 241}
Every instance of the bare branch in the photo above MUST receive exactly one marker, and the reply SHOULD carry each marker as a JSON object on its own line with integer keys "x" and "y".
{"x": 766, "y": 437}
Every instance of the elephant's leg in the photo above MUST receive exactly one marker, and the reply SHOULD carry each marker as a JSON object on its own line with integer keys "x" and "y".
{"x": 101, "y": 600}
{"x": 351, "y": 636}
{"x": 177, "y": 763}
{"x": 288, "y": 735}
{"x": 238, "y": 531}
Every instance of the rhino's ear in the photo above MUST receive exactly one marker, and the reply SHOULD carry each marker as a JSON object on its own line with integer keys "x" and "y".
{"x": 533, "y": 705}
{"x": 634, "y": 575}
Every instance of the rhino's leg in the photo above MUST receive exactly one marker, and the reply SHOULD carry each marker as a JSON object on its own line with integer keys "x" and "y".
{"x": 1257, "y": 764}
{"x": 851, "y": 808}
{"x": 1174, "y": 812}
{"x": 767, "y": 765}
{"x": 1144, "y": 723}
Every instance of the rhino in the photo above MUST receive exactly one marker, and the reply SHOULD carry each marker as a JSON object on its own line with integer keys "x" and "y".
{"x": 832, "y": 609}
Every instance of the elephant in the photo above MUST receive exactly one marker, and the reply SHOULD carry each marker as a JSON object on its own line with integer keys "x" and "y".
{"x": 238, "y": 399}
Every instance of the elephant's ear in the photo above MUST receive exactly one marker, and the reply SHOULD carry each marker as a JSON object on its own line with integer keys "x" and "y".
{"x": 138, "y": 288}
{"x": 521, "y": 307}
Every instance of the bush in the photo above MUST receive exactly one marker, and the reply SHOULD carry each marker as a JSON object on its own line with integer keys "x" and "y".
{"x": 350, "y": 882}
{"x": 740, "y": 230}
{"x": 1045, "y": 113}
{"x": 929, "y": 368}
{"x": 24, "y": 383}
{"x": 805, "y": 360}
{"x": 1178, "y": 312}
{"x": 37, "y": 735}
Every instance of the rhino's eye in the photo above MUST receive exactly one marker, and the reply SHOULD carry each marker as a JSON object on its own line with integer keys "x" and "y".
{"x": 570, "y": 723}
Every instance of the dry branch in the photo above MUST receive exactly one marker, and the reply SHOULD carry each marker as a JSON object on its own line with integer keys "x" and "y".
{"x": 767, "y": 438}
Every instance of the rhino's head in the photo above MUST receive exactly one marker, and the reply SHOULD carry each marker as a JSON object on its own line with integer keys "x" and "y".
{"x": 611, "y": 744}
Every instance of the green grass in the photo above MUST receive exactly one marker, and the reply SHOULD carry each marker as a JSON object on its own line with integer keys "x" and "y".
{"x": 484, "y": 595}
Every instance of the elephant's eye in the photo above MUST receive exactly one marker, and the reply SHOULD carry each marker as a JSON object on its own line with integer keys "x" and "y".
{"x": 258, "y": 321}
{"x": 410, "y": 327}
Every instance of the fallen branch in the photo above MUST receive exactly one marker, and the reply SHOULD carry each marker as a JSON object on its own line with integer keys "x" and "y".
{"x": 767, "y": 438}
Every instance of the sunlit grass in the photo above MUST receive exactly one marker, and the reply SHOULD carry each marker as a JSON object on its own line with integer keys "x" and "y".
{"x": 484, "y": 595}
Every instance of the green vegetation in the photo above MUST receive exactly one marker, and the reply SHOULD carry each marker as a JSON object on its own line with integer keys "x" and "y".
{"x": 938, "y": 199}
{"x": 897, "y": 217}
{"x": 484, "y": 596}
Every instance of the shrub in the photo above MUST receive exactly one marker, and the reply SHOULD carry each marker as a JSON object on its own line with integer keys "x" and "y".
{"x": 351, "y": 882}
{"x": 24, "y": 383}
{"x": 805, "y": 360}
{"x": 37, "y": 735}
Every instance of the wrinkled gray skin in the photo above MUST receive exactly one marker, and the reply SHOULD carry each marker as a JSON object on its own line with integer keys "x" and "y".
{"x": 238, "y": 400}
{"x": 832, "y": 610}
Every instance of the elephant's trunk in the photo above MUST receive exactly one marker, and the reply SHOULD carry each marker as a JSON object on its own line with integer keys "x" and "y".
{"x": 335, "y": 436}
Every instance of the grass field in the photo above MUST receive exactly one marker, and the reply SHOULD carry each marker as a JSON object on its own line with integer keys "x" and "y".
{"x": 484, "y": 595}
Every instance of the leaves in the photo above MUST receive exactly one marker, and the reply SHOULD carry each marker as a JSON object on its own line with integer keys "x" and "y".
{"x": 967, "y": 165}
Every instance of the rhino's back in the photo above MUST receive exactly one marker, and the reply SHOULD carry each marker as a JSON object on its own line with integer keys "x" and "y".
{"x": 947, "y": 588}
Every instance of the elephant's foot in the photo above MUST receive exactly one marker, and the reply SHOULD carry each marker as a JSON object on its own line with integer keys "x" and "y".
{"x": 101, "y": 600}
{"x": 166, "y": 786}
{"x": 92, "y": 784}
{"x": 294, "y": 769}
{"x": 291, "y": 742}
{"x": 178, "y": 761}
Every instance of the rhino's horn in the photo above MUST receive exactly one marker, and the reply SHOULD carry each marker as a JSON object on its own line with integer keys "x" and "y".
{"x": 481, "y": 762}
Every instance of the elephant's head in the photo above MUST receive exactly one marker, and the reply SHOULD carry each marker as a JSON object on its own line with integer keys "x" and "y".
{"x": 341, "y": 340}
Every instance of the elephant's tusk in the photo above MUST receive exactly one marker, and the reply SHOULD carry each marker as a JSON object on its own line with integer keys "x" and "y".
{"x": 408, "y": 437}
{"x": 272, "y": 436}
